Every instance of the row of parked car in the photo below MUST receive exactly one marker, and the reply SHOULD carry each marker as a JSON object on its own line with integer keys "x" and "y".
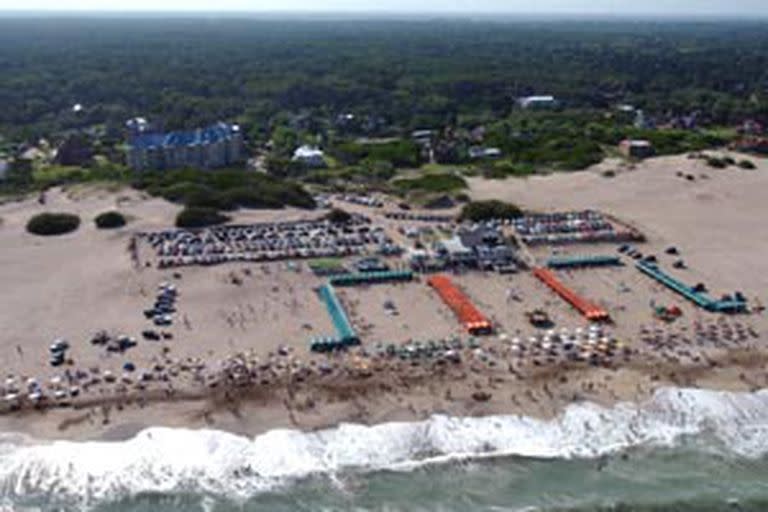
{"x": 161, "y": 313}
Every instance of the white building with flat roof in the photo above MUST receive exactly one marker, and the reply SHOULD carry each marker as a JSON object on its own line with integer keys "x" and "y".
{"x": 311, "y": 156}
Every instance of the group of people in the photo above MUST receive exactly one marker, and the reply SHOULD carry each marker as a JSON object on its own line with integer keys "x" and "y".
{"x": 694, "y": 343}
{"x": 168, "y": 375}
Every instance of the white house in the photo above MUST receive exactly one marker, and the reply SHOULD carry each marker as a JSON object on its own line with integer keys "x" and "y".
{"x": 311, "y": 156}
{"x": 477, "y": 152}
{"x": 137, "y": 125}
{"x": 540, "y": 102}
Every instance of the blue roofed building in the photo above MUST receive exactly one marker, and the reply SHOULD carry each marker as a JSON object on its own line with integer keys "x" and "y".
{"x": 218, "y": 145}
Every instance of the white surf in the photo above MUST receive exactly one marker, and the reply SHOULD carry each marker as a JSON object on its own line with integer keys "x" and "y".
{"x": 163, "y": 460}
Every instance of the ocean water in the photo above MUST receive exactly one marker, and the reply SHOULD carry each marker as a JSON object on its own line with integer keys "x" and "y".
{"x": 685, "y": 449}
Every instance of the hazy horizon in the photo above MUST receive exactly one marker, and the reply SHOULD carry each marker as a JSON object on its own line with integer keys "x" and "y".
{"x": 718, "y": 8}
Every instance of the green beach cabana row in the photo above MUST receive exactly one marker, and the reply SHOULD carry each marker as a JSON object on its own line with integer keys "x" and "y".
{"x": 567, "y": 262}
{"x": 360, "y": 278}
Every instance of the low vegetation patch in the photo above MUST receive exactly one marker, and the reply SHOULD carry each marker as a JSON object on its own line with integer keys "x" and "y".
{"x": 110, "y": 220}
{"x": 49, "y": 224}
{"x": 747, "y": 164}
{"x": 717, "y": 163}
{"x": 434, "y": 183}
{"x": 477, "y": 211}
{"x": 397, "y": 153}
{"x": 225, "y": 189}
{"x": 338, "y": 216}
{"x": 199, "y": 217}
{"x": 505, "y": 169}
{"x": 462, "y": 197}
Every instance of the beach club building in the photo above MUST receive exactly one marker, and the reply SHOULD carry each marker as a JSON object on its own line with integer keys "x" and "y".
{"x": 218, "y": 145}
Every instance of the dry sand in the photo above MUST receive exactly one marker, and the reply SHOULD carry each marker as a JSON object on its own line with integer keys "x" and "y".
{"x": 717, "y": 220}
{"x": 74, "y": 285}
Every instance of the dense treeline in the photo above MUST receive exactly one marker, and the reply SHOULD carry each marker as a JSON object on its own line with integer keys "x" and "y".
{"x": 393, "y": 75}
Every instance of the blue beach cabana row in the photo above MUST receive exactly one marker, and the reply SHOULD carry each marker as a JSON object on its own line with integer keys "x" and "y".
{"x": 345, "y": 333}
{"x": 735, "y": 305}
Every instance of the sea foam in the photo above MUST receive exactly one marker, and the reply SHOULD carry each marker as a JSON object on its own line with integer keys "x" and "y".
{"x": 163, "y": 460}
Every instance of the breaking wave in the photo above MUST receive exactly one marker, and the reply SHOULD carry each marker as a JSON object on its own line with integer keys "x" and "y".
{"x": 207, "y": 462}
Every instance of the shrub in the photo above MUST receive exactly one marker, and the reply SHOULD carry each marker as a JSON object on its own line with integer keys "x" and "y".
{"x": 47, "y": 224}
{"x": 747, "y": 164}
{"x": 484, "y": 210}
{"x": 462, "y": 197}
{"x": 338, "y": 216}
{"x": 210, "y": 199}
{"x": 199, "y": 217}
{"x": 717, "y": 163}
{"x": 109, "y": 220}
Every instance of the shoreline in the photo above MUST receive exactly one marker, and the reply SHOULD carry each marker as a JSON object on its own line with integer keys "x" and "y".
{"x": 697, "y": 426}
{"x": 462, "y": 391}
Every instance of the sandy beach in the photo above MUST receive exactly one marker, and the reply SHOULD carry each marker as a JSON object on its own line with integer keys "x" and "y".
{"x": 257, "y": 318}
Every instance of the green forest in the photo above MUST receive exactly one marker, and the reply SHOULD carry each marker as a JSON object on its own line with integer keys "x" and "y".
{"x": 358, "y": 88}
{"x": 395, "y": 75}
